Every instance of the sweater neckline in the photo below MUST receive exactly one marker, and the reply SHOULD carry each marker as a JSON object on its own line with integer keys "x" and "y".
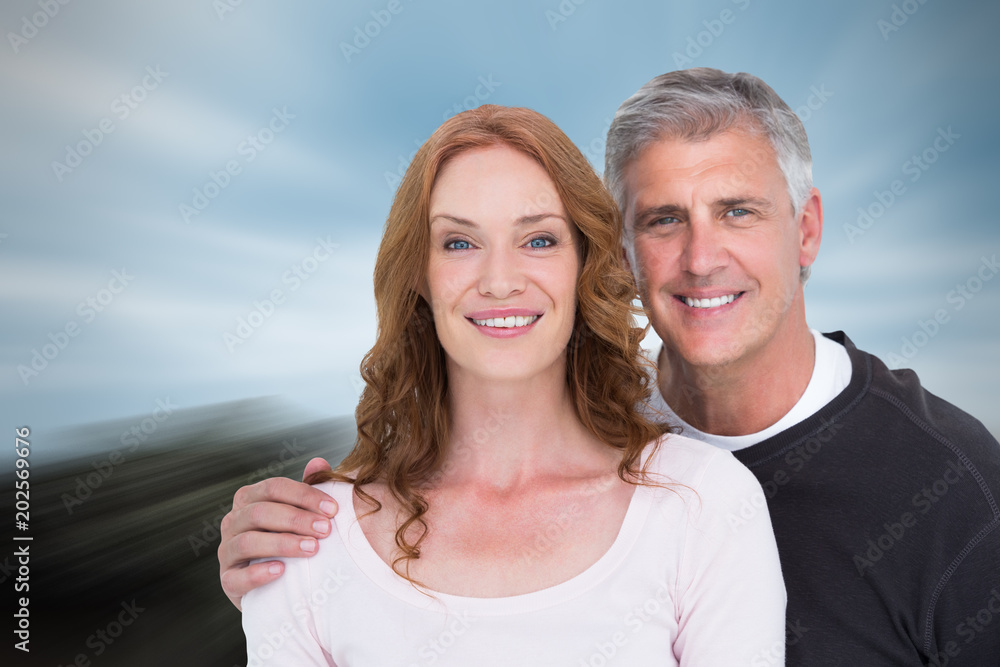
{"x": 380, "y": 573}
{"x": 826, "y": 421}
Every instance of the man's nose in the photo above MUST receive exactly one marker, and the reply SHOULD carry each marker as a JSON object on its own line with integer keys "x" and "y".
{"x": 704, "y": 248}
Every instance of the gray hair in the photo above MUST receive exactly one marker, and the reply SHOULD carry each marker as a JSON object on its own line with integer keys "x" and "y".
{"x": 698, "y": 103}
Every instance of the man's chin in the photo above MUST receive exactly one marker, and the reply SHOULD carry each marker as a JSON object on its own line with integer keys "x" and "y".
{"x": 701, "y": 352}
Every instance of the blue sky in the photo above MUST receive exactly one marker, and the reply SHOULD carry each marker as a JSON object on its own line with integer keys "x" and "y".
{"x": 281, "y": 127}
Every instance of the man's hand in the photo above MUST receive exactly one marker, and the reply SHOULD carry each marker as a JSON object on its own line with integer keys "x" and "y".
{"x": 274, "y": 518}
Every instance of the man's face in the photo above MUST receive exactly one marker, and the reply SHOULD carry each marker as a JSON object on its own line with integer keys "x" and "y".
{"x": 716, "y": 247}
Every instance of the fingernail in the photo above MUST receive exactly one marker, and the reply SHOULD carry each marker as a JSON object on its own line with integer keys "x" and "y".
{"x": 321, "y": 527}
{"x": 308, "y": 546}
{"x": 274, "y": 568}
{"x": 328, "y": 507}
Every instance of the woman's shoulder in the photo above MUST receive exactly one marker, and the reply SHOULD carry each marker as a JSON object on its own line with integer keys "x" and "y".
{"x": 336, "y": 489}
{"x": 677, "y": 459}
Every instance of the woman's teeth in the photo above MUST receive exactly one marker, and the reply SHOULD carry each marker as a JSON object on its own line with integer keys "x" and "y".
{"x": 507, "y": 322}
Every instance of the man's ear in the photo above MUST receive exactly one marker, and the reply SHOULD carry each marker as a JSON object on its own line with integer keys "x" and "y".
{"x": 810, "y": 228}
{"x": 625, "y": 261}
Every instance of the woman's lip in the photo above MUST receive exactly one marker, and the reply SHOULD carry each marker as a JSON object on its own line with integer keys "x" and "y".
{"x": 493, "y": 313}
{"x": 505, "y": 332}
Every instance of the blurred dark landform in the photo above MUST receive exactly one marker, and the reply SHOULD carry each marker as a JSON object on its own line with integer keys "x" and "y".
{"x": 123, "y": 563}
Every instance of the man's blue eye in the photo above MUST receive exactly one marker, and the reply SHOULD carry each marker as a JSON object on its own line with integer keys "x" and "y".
{"x": 663, "y": 221}
{"x": 458, "y": 245}
{"x": 540, "y": 243}
{"x": 739, "y": 212}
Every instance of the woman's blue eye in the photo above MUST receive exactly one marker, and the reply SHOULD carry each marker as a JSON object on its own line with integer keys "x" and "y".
{"x": 540, "y": 243}
{"x": 458, "y": 245}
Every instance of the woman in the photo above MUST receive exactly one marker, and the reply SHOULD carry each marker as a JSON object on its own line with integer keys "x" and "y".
{"x": 508, "y": 502}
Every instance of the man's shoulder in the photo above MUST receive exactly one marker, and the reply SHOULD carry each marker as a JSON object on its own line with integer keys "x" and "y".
{"x": 905, "y": 397}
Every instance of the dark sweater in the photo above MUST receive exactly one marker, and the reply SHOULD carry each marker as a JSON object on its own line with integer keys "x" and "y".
{"x": 884, "y": 505}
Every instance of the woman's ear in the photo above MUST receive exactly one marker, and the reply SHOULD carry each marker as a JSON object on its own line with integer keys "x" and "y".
{"x": 423, "y": 290}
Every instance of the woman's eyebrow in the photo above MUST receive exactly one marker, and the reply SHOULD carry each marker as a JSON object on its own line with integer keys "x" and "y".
{"x": 523, "y": 220}
{"x": 538, "y": 217}
{"x": 453, "y": 218}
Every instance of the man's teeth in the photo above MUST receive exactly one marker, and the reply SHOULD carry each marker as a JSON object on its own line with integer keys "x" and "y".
{"x": 507, "y": 322}
{"x": 714, "y": 302}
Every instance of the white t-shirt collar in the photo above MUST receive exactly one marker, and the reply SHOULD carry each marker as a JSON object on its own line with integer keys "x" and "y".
{"x": 831, "y": 375}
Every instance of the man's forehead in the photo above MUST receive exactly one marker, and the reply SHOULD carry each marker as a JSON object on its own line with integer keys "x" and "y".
{"x": 727, "y": 164}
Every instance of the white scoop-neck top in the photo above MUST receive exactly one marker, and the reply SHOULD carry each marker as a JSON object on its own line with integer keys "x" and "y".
{"x": 380, "y": 573}
{"x": 692, "y": 575}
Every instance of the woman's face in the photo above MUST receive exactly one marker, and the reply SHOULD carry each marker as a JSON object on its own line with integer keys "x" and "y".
{"x": 503, "y": 267}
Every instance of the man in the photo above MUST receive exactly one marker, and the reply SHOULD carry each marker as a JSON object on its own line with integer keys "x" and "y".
{"x": 882, "y": 496}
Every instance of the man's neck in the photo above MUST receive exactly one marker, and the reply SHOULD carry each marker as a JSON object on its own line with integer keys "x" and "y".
{"x": 743, "y": 397}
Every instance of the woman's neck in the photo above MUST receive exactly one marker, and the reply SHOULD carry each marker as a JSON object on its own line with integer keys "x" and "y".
{"x": 509, "y": 433}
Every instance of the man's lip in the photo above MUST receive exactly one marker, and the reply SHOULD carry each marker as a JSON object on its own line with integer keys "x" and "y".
{"x": 702, "y": 303}
{"x": 493, "y": 313}
{"x": 707, "y": 294}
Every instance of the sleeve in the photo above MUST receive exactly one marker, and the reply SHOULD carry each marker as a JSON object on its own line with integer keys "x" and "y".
{"x": 965, "y": 629}
{"x": 730, "y": 593}
{"x": 280, "y": 623}
{"x": 962, "y": 621}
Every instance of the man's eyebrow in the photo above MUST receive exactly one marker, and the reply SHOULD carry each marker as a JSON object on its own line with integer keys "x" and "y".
{"x": 746, "y": 200}
{"x": 661, "y": 211}
{"x": 673, "y": 210}
{"x": 523, "y": 220}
